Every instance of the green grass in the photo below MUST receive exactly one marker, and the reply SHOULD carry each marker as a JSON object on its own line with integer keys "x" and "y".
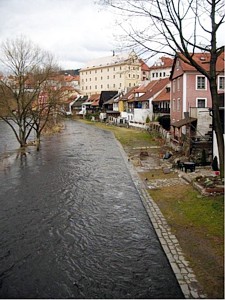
{"x": 185, "y": 205}
{"x": 128, "y": 137}
{"x": 198, "y": 223}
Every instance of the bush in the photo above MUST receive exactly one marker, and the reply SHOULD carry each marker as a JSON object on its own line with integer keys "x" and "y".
{"x": 164, "y": 121}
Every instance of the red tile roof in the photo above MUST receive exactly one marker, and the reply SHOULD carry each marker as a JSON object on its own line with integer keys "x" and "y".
{"x": 167, "y": 62}
{"x": 157, "y": 86}
{"x": 202, "y": 59}
{"x": 144, "y": 66}
{"x": 129, "y": 94}
{"x": 163, "y": 96}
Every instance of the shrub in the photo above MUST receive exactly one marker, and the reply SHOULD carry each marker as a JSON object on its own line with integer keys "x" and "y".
{"x": 164, "y": 121}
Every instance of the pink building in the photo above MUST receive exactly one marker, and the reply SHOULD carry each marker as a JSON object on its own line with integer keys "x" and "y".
{"x": 191, "y": 98}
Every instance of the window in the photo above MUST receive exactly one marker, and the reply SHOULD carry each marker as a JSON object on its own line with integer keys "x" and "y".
{"x": 89, "y": 79}
{"x": 174, "y": 86}
{"x": 164, "y": 74}
{"x": 114, "y": 85}
{"x": 178, "y": 84}
{"x": 114, "y": 68}
{"x": 96, "y": 87}
{"x": 101, "y": 86}
{"x": 95, "y": 78}
{"x": 201, "y": 83}
{"x": 201, "y": 103}
{"x": 221, "y": 83}
{"x": 95, "y": 71}
{"x": 107, "y": 85}
{"x": 178, "y": 104}
{"x": 153, "y": 75}
{"x": 114, "y": 76}
{"x": 107, "y": 77}
{"x": 174, "y": 105}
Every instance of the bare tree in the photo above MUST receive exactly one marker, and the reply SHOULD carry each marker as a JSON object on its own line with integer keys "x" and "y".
{"x": 27, "y": 69}
{"x": 182, "y": 28}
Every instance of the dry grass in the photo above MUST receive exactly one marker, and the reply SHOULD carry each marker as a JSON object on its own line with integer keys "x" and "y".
{"x": 198, "y": 224}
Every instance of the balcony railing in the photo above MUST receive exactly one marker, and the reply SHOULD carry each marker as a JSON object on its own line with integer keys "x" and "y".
{"x": 161, "y": 110}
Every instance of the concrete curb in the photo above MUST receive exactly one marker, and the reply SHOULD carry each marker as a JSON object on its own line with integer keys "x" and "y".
{"x": 180, "y": 266}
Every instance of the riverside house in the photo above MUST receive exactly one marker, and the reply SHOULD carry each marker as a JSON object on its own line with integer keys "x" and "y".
{"x": 191, "y": 101}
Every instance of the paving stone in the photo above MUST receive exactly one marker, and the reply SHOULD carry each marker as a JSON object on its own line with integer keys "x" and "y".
{"x": 185, "y": 290}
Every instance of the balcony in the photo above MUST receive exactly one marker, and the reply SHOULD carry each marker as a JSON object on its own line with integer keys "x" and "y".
{"x": 161, "y": 110}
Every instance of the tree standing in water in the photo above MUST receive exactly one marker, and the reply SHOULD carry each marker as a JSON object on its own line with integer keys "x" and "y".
{"x": 28, "y": 71}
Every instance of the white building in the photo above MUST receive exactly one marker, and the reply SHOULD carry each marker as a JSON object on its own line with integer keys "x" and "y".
{"x": 117, "y": 72}
{"x": 161, "y": 68}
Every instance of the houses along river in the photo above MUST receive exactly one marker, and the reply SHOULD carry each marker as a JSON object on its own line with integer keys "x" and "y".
{"x": 73, "y": 225}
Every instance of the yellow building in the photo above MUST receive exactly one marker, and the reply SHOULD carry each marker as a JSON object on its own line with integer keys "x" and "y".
{"x": 112, "y": 73}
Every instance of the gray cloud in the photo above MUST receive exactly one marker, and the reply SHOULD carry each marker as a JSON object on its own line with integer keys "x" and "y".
{"x": 75, "y": 31}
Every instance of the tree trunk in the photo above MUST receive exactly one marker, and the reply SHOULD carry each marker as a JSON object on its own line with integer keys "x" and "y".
{"x": 217, "y": 126}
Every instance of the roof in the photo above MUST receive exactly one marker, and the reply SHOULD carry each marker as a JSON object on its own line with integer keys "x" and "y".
{"x": 183, "y": 122}
{"x": 110, "y": 101}
{"x": 80, "y": 101}
{"x": 164, "y": 95}
{"x": 144, "y": 66}
{"x": 144, "y": 87}
{"x": 94, "y": 97}
{"x": 129, "y": 94}
{"x": 202, "y": 59}
{"x": 162, "y": 63}
{"x": 109, "y": 60}
{"x": 156, "y": 87}
{"x": 106, "y": 95}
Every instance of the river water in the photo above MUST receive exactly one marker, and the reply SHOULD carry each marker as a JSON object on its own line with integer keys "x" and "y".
{"x": 73, "y": 225}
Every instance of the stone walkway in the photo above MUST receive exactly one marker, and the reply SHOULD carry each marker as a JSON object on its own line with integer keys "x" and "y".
{"x": 183, "y": 272}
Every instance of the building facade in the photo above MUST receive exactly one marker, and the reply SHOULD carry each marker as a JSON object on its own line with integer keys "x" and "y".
{"x": 161, "y": 68}
{"x": 117, "y": 72}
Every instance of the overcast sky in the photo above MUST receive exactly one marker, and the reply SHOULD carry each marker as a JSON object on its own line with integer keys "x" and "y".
{"x": 75, "y": 31}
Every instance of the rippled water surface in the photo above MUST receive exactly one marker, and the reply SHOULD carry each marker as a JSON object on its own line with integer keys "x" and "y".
{"x": 73, "y": 225}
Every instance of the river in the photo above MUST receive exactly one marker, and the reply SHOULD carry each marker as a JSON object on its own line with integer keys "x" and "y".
{"x": 73, "y": 225}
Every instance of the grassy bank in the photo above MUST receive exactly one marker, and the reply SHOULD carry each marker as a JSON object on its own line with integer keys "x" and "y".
{"x": 197, "y": 222}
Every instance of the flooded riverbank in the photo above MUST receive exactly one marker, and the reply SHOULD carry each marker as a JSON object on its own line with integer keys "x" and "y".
{"x": 73, "y": 224}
